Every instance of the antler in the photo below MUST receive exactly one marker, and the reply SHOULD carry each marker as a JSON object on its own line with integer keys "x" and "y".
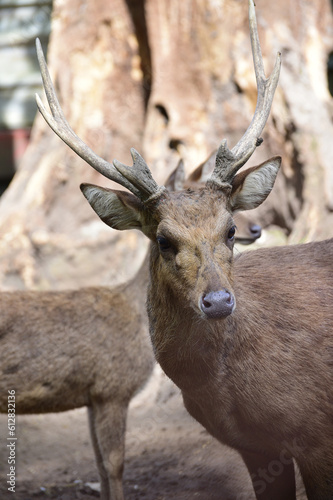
{"x": 137, "y": 179}
{"x": 228, "y": 162}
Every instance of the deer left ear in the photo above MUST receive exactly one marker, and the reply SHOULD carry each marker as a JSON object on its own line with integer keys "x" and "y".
{"x": 252, "y": 186}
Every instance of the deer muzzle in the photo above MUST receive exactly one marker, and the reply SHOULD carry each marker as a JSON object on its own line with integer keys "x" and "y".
{"x": 217, "y": 305}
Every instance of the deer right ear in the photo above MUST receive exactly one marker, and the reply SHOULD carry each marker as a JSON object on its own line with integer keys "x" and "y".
{"x": 252, "y": 186}
{"x": 118, "y": 209}
{"x": 203, "y": 172}
{"x": 176, "y": 179}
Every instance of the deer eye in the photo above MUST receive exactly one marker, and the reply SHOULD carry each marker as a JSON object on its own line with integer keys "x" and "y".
{"x": 163, "y": 243}
{"x": 231, "y": 233}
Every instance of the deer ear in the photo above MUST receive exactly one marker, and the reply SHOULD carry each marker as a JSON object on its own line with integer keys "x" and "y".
{"x": 175, "y": 181}
{"x": 252, "y": 186}
{"x": 203, "y": 172}
{"x": 118, "y": 209}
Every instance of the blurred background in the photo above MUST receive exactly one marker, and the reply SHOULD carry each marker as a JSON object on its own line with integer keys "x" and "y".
{"x": 21, "y": 21}
{"x": 171, "y": 79}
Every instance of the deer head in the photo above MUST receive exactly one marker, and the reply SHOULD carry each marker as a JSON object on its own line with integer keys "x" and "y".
{"x": 192, "y": 231}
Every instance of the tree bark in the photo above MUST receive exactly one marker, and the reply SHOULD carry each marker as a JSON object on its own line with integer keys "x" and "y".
{"x": 171, "y": 79}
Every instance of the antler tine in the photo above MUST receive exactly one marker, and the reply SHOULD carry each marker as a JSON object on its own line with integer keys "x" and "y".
{"x": 133, "y": 180}
{"x": 140, "y": 177}
{"x": 228, "y": 162}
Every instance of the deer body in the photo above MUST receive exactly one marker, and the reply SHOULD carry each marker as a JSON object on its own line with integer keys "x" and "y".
{"x": 87, "y": 347}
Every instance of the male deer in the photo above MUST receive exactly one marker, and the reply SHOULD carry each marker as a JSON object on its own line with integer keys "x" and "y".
{"x": 248, "y": 340}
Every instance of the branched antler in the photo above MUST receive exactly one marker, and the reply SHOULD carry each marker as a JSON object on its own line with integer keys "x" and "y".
{"x": 140, "y": 177}
{"x": 137, "y": 179}
{"x": 228, "y": 162}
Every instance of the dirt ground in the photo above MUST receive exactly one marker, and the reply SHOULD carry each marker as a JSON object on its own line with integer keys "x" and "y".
{"x": 168, "y": 455}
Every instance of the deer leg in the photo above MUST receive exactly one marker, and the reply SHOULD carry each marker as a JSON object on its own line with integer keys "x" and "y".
{"x": 103, "y": 475}
{"x": 107, "y": 426}
{"x": 273, "y": 476}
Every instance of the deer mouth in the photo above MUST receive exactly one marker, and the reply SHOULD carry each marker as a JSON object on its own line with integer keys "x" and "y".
{"x": 217, "y": 305}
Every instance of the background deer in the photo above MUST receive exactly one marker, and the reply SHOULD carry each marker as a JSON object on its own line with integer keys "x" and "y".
{"x": 67, "y": 349}
{"x": 248, "y": 340}
{"x": 89, "y": 347}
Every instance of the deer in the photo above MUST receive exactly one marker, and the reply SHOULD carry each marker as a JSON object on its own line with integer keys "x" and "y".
{"x": 67, "y": 349}
{"x": 247, "y": 338}
{"x": 85, "y": 348}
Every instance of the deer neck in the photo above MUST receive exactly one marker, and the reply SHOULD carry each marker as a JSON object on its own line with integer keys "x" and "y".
{"x": 188, "y": 348}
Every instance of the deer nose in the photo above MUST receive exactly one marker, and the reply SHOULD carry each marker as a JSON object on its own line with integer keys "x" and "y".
{"x": 255, "y": 230}
{"x": 217, "y": 305}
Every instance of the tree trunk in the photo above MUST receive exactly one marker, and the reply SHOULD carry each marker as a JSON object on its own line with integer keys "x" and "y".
{"x": 171, "y": 79}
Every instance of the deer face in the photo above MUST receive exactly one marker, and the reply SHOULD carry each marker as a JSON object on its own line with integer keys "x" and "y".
{"x": 192, "y": 250}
